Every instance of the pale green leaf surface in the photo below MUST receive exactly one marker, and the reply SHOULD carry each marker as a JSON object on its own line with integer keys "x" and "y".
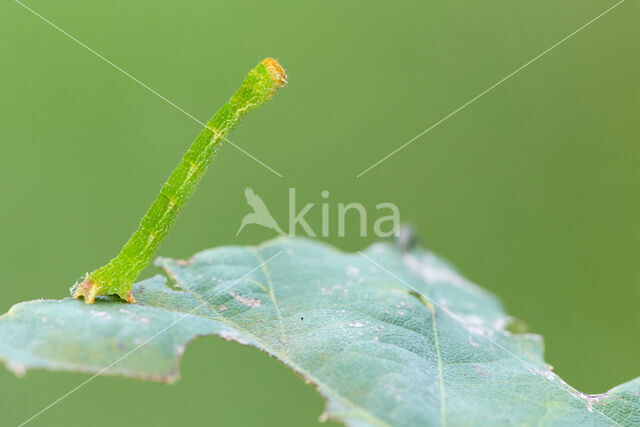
{"x": 378, "y": 351}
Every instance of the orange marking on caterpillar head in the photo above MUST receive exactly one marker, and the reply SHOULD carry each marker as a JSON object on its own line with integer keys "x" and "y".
{"x": 275, "y": 71}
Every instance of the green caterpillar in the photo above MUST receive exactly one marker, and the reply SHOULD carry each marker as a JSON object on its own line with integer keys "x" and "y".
{"x": 118, "y": 276}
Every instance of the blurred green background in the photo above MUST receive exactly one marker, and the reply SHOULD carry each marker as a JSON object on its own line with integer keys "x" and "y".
{"x": 532, "y": 191}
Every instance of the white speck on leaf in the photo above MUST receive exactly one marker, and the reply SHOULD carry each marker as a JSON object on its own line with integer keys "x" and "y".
{"x": 18, "y": 369}
{"x": 475, "y": 325}
{"x": 352, "y": 271}
{"x": 589, "y": 398}
{"x": 432, "y": 273}
{"x": 501, "y": 323}
{"x": 249, "y": 302}
{"x": 101, "y": 315}
{"x": 232, "y": 336}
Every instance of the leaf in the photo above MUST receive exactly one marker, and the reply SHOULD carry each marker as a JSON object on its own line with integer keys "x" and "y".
{"x": 381, "y": 352}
